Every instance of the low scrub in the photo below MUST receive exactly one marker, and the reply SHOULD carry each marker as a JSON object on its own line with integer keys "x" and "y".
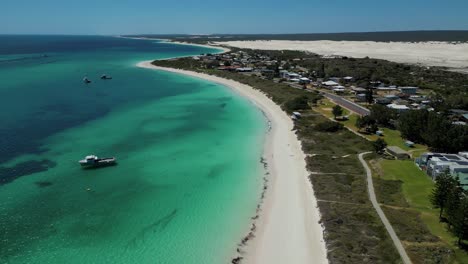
{"x": 329, "y": 126}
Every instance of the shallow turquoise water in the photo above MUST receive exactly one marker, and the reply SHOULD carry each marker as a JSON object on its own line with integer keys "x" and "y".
{"x": 188, "y": 176}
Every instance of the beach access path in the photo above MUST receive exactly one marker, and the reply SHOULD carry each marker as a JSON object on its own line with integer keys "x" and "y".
{"x": 383, "y": 218}
{"x": 288, "y": 229}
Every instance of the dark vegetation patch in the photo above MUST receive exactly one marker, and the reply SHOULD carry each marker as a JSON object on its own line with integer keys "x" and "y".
{"x": 329, "y": 126}
{"x": 9, "y": 174}
{"x": 43, "y": 184}
{"x": 435, "y": 253}
{"x": 354, "y": 234}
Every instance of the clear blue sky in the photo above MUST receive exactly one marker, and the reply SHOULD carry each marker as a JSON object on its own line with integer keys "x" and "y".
{"x": 228, "y": 16}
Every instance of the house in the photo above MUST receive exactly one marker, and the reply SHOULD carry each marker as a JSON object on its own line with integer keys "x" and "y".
{"x": 383, "y": 101}
{"x": 304, "y": 80}
{"x": 409, "y": 143}
{"x": 358, "y": 90}
{"x": 392, "y": 97}
{"x": 361, "y": 97}
{"x": 436, "y": 163}
{"x": 330, "y": 83}
{"x": 338, "y": 89}
{"x": 247, "y": 69}
{"x": 386, "y": 89}
{"x": 398, "y": 152}
{"x": 283, "y": 74}
{"x": 292, "y": 75}
{"x": 399, "y": 108}
{"x": 334, "y": 79}
{"x": 348, "y": 79}
{"x": 409, "y": 90}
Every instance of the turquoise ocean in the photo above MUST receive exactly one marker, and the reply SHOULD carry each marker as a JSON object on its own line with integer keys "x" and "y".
{"x": 188, "y": 176}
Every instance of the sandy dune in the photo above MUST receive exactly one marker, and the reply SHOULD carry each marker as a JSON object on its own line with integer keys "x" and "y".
{"x": 444, "y": 54}
{"x": 288, "y": 230}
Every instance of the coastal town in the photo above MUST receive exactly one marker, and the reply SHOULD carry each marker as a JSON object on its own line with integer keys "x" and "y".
{"x": 376, "y": 109}
{"x": 398, "y": 98}
{"x": 346, "y": 92}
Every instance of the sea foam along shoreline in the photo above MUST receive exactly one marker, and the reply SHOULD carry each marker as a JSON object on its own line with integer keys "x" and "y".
{"x": 288, "y": 228}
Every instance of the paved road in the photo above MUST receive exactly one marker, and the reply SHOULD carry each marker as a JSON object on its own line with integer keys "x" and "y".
{"x": 375, "y": 204}
{"x": 352, "y": 106}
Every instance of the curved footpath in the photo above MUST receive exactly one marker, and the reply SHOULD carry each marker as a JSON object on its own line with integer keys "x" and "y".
{"x": 388, "y": 226}
{"x": 288, "y": 228}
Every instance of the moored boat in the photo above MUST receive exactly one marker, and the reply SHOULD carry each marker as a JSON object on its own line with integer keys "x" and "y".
{"x": 92, "y": 161}
{"x": 105, "y": 77}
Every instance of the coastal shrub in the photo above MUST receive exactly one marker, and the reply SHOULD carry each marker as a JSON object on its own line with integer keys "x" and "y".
{"x": 298, "y": 103}
{"x": 328, "y": 126}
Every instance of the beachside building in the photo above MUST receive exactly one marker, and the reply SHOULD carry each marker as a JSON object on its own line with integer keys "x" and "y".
{"x": 383, "y": 101}
{"x": 358, "y": 90}
{"x": 361, "y": 97}
{"x": 338, "y": 89}
{"x": 409, "y": 90}
{"x": 246, "y": 69}
{"x": 330, "y": 83}
{"x": 304, "y": 80}
{"x": 398, "y": 108}
{"x": 398, "y": 152}
{"x": 436, "y": 163}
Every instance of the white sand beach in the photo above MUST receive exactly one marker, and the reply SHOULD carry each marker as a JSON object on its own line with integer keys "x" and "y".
{"x": 288, "y": 228}
{"x": 443, "y": 54}
{"x": 209, "y": 45}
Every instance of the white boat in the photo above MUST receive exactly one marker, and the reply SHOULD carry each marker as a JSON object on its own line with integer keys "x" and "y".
{"x": 92, "y": 161}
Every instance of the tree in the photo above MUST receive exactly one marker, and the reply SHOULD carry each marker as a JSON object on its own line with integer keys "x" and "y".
{"x": 298, "y": 103}
{"x": 444, "y": 184}
{"x": 337, "y": 111}
{"x": 369, "y": 95}
{"x": 368, "y": 123}
{"x": 460, "y": 219}
{"x": 382, "y": 115}
{"x": 372, "y": 128}
{"x": 360, "y": 123}
{"x": 412, "y": 124}
{"x": 379, "y": 145}
{"x": 453, "y": 202}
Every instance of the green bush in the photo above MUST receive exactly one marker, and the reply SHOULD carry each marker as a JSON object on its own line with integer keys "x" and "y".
{"x": 328, "y": 126}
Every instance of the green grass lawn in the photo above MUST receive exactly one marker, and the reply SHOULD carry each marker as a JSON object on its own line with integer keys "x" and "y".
{"x": 416, "y": 188}
{"x": 391, "y": 136}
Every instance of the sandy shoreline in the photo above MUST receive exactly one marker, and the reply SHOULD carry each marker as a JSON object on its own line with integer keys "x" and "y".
{"x": 288, "y": 229}
{"x": 444, "y": 54}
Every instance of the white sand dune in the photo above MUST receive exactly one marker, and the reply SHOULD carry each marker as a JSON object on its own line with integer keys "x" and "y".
{"x": 443, "y": 54}
{"x": 288, "y": 230}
